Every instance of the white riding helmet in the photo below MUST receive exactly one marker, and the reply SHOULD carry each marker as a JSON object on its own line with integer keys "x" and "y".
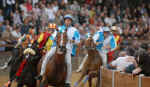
{"x": 68, "y": 16}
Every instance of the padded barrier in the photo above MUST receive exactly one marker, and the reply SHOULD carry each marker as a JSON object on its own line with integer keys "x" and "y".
{"x": 111, "y": 78}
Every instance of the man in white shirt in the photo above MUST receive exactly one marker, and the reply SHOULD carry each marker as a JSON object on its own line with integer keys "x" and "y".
{"x": 50, "y": 12}
{"x": 105, "y": 42}
{"x": 9, "y": 7}
{"x": 73, "y": 38}
{"x": 121, "y": 63}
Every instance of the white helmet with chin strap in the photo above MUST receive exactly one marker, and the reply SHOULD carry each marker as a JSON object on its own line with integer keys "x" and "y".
{"x": 68, "y": 16}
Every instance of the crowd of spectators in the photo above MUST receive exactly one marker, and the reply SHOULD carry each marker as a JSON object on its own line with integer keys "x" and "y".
{"x": 17, "y": 17}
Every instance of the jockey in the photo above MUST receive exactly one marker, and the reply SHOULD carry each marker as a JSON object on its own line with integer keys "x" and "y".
{"x": 116, "y": 34}
{"x": 44, "y": 41}
{"x": 73, "y": 38}
{"x": 105, "y": 42}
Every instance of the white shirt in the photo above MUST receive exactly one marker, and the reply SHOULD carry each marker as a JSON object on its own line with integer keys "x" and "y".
{"x": 1, "y": 18}
{"x": 34, "y": 2}
{"x": 109, "y": 20}
{"x": 121, "y": 63}
{"x": 17, "y": 19}
{"x": 55, "y": 8}
{"x": 16, "y": 34}
{"x": 23, "y": 8}
{"x": 51, "y": 14}
{"x": 65, "y": 1}
{"x": 10, "y": 2}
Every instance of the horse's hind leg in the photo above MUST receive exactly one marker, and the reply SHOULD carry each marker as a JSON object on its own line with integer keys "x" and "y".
{"x": 44, "y": 83}
{"x": 19, "y": 85}
{"x": 78, "y": 82}
{"x": 98, "y": 79}
{"x": 31, "y": 86}
{"x": 90, "y": 80}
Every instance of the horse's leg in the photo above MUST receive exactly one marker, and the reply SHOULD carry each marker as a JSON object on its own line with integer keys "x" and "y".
{"x": 78, "y": 82}
{"x": 38, "y": 84}
{"x": 98, "y": 79}
{"x": 30, "y": 85}
{"x": 90, "y": 81}
{"x": 44, "y": 82}
{"x": 19, "y": 85}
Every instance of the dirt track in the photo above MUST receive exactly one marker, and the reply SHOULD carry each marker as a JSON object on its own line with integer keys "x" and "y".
{"x": 4, "y": 78}
{"x": 4, "y": 75}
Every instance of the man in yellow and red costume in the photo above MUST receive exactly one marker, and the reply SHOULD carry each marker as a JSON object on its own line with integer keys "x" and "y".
{"x": 44, "y": 41}
{"x": 117, "y": 37}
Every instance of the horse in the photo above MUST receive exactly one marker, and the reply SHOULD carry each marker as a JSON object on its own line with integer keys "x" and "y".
{"x": 13, "y": 63}
{"x": 32, "y": 56}
{"x": 56, "y": 68}
{"x": 29, "y": 70}
{"x": 91, "y": 66}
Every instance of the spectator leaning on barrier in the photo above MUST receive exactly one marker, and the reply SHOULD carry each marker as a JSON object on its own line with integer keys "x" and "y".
{"x": 124, "y": 63}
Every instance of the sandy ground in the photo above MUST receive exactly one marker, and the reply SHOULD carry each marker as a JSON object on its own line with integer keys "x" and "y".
{"x": 4, "y": 74}
{"x": 4, "y": 78}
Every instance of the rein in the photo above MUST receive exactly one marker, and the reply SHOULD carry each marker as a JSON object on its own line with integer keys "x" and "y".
{"x": 90, "y": 48}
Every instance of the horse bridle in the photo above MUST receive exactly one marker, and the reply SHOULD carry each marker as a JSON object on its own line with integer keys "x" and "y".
{"x": 90, "y": 48}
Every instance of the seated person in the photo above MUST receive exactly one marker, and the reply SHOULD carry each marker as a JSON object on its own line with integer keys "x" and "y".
{"x": 124, "y": 63}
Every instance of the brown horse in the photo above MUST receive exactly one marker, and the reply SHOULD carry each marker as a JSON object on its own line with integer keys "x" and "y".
{"x": 92, "y": 65}
{"x": 56, "y": 68}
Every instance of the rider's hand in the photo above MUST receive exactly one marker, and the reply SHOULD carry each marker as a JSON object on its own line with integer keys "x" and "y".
{"x": 136, "y": 71}
{"x": 97, "y": 43}
{"x": 72, "y": 41}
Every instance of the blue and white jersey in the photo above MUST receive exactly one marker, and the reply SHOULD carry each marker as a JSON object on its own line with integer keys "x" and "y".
{"x": 53, "y": 38}
{"x": 72, "y": 34}
{"x": 87, "y": 35}
{"x": 99, "y": 37}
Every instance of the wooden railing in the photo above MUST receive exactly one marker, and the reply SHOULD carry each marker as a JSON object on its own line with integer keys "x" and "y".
{"x": 111, "y": 78}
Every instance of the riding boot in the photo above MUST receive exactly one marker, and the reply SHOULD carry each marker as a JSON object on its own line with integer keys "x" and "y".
{"x": 67, "y": 85}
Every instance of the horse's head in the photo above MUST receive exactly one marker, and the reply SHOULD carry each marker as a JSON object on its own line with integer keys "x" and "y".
{"x": 29, "y": 52}
{"x": 61, "y": 42}
{"x": 32, "y": 53}
{"x": 89, "y": 43}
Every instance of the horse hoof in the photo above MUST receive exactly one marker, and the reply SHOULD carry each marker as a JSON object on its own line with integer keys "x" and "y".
{"x": 67, "y": 85}
{"x": 38, "y": 77}
{"x": 78, "y": 70}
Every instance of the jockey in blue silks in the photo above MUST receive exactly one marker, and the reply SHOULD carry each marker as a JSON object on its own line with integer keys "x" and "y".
{"x": 105, "y": 42}
{"x": 73, "y": 37}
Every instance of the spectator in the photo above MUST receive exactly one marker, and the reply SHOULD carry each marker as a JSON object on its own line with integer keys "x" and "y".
{"x": 123, "y": 62}
{"x": 50, "y": 12}
{"x": 25, "y": 27}
{"x": 23, "y": 8}
{"x": 2, "y": 28}
{"x": 16, "y": 33}
{"x": 17, "y": 18}
{"x": 28, "y": 5}
{"x": 1, "y": 16}
{"x": 6, "y": 34}
{"x": 9, "y": 7}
